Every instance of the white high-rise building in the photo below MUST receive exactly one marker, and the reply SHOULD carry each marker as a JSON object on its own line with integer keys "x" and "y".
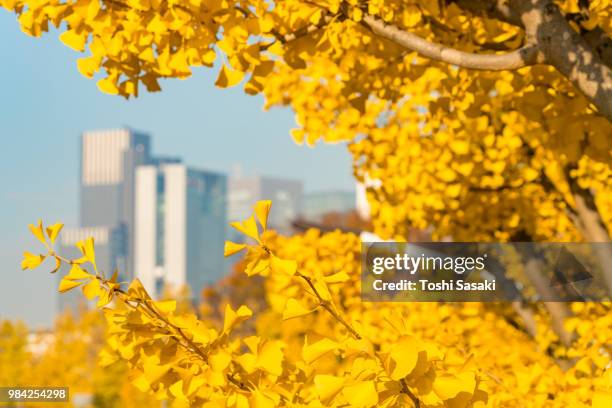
{"x": 179, "y": 227}
{"x": 179, "y": 214}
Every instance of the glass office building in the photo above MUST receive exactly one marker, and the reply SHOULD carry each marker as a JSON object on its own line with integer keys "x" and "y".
{"x": 151, "y": 217}
{"x": 179, "y": 227}
{"x": 317, "y": 204}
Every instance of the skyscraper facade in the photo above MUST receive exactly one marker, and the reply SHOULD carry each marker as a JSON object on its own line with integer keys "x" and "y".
{"x": 179, "y": 226}
{"x": 317, "y": 204}
{"x": 151, "y": 217}
{"x": 109, "y": 159}
{"x": 108, "y": 162}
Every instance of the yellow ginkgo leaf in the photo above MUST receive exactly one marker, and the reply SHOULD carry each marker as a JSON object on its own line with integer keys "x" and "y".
{"x": 77, "y": 273}
{"x": 88, "y": 66}
{"x": 228, "y": 78}
{"x": 73, "y": 40}
{"x": 105, "y": 298}
{"x": 248, "y": 227}
{"x": 283, "y": 266}
{"x": 208, "y": 57}
{"x": 602, "y": 399}
{"x": 256, "y": 84}
{"x": 153, "y": 370}
{"x": 361, "y": 394}
{"x": 295, "y": 309}
{"x": 259, "y": 400}
{"x": 137, "y": 290}
{"x": 38, "y": 232}
{"x": 297, "y": 135}
{"x": 402, "y": 358}
{"x": 231, "y": 248}
{"x": 92, "y": 289}
{"x": 312, "y": 352}
{"x": 262, "y": 210}
{"x": 31, "y": 261}
{"x": 447, "y": 386}
{"x": 58, "y": 264}
{"x": 257, "y": 265}
{"x": 166, "y": 306}
{"x": 232, "y": 317}
{"x": 338, "y": 277}
{"x": 66, "y": 284}
{"x": 176, "y": 390}
{"x": 270, "y": 357}
{"x": 87, "y": 249}
{"x": 328, "y": 386}
{"x": 220, "y": 360}
{"x": 195, "y": 384}
{"x": 108, "y": 86}
{"x": 323, "y": 290}
{"x": 53, "y": 231}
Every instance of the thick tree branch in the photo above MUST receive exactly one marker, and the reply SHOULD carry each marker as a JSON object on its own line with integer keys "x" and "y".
{"x": 567, "y": 51}
{"x": 585, "y": 59}
{"x": 527, "y": 55}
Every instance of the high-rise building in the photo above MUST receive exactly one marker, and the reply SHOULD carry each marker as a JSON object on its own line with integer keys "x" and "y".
{"x": 179, "y": 226}
{"x": 317, "y": 204}
{"x": 180, "y": 210}
{"x": 109, "y": 159}
{"x": 285, "y": 194}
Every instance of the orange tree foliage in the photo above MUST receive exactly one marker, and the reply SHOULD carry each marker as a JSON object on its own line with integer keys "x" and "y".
{"x": 317, "y": 345}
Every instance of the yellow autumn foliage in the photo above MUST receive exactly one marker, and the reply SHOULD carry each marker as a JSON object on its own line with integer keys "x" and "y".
{"x": 317, "y": 344}
{"x": 479, "y": 121}
{"x": 66, "y": 356}
{"x": 482, "y": 122}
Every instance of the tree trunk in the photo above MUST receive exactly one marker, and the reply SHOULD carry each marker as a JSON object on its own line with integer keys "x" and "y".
{"x": 558, "y": 311}
{"x": 594, "y": 231}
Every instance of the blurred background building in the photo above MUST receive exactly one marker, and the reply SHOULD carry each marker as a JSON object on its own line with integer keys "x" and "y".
{"x": 317, "y": 205}
{"x": 179, "y": 226}
{"x": 244, "y": 191}
{"x": 129, "y": 198}
{"x": 109, "y": 159}
{"x": 159, "y": 220}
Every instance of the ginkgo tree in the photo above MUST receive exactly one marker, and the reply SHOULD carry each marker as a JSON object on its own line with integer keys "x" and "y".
{"x": 455, "y": 106}
{"x": 479, "y": 120}
{"x": 66, "y": 356}
{"x": 318, "y": 345}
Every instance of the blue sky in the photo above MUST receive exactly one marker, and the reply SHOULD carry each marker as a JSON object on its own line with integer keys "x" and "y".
{"x": 45, "y": 104}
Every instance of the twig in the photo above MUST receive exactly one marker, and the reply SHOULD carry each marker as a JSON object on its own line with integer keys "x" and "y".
{"x": 326, "y": 304}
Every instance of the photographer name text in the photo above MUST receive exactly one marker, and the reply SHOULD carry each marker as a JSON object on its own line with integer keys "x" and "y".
{"x": 430, "y": 286}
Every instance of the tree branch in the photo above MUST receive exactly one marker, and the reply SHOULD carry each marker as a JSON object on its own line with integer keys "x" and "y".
{"x": 567, "y": 51}
{"x": 584, "y": 59}
{"x": 524, "y": 56}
